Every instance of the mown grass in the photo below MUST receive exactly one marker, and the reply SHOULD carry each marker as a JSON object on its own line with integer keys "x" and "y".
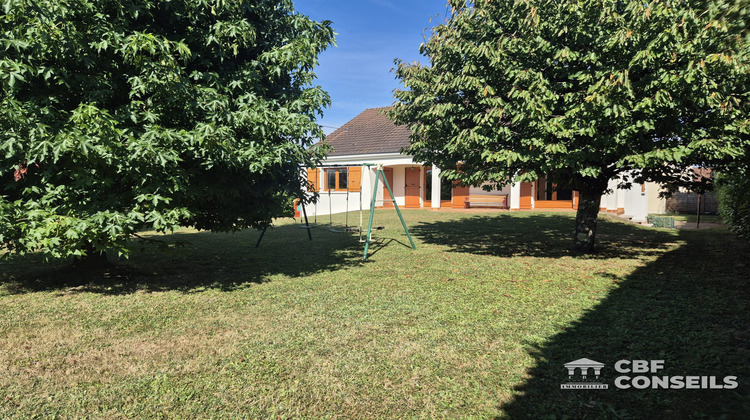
{"x": 476, "y": 322}
{"x": 693, "y": 218}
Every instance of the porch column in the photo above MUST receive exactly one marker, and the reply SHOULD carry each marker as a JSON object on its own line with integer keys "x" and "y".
{"x": 435, "y": 199}
{"x": 515, "y": 196}
{"x": 609, "y": 201}
{"x": 620, "y": 202}
{"x": 368, "y": 182}
{"x": 365, "y": 191}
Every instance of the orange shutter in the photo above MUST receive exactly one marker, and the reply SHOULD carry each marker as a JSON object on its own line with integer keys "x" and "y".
{"x": 313, "y": 179}
{"x": 524, "y": 202}
{"x": 355, "y": 178}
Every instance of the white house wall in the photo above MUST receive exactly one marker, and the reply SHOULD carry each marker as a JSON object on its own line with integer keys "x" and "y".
{"x": 635, "y": 203}
{"x": 656, "y": 204}
{"x": 515, "y": 196}
{"x": 621, "y": 200}
{"x": 370, "y": 183}
{"x": 336, "y": 202}
{"x": 333, "y": 202}
{"x": 609, "y": 201}
{"x": 504, "y": 191}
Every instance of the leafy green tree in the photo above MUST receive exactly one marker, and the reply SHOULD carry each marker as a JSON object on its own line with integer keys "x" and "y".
{"x": 734, "y": 197}
{"x": 581, "y": 92}
{"x": 122, "y": 115}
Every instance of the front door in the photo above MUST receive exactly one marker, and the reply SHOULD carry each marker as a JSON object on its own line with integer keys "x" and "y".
{"x": 413, "y": 175}
{"x": 387, "y": 199}
{"x": 525, "y": 201}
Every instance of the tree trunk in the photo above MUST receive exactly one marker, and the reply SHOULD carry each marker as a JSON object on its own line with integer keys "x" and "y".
{"x": 584, "y": 237}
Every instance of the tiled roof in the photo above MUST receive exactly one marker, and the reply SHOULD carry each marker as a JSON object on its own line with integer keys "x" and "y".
{"x": 367, "y": 133}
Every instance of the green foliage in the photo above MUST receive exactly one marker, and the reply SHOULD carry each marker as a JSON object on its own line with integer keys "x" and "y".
{"x": 734, "y": 199}
{"x": 580, "y": 91}
{"x": 122, "y": 115}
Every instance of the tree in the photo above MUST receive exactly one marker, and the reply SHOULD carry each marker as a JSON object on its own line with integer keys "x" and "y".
{"x": 579, "y": 91}
{"x": 122, "y": 115}
{"x": 734, "y": 197}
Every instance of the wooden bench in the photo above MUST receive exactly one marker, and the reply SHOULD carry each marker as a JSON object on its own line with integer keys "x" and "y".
{"x": 486, "y": 200}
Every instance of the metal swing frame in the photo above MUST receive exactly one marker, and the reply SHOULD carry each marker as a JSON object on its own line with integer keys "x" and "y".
{"x": 379, "y": 173}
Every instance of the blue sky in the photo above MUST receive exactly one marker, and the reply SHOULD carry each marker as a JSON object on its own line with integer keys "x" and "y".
{"x": 371, "y": 34}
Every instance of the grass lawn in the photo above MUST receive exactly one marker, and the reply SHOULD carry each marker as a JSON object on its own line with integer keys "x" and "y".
{"x": 693, "y": 218}
{"x": 476, "y": 323}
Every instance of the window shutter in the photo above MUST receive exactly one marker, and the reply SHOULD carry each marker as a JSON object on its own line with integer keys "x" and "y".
{"x": 313, "y": 179}
{"x": 355, "y": 178}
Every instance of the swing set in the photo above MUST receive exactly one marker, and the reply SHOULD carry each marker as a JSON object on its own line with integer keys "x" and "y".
{"x": 379, "y": 173}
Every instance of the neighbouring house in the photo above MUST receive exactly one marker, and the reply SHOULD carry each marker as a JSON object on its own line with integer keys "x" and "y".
{"x": 371, "y": 138}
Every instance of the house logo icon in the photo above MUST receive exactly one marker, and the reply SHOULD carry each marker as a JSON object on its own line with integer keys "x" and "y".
{"x": 584, "y": 374}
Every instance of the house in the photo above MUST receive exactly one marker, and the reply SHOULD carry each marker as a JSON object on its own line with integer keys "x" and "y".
{"x": 371, "y": 138}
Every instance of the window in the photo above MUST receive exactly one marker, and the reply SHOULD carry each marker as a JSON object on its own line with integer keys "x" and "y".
{"x": 337, "y": 179}
{"x": 547, "y": 191}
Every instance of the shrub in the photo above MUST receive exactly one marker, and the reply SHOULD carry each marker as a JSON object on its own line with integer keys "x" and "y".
{"x": 734, "y": 199}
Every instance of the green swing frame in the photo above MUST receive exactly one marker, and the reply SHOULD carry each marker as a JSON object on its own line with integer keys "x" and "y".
{"x": 378, "y": 174}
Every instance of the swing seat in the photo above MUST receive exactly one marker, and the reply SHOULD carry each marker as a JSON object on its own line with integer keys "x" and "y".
{"x": 355, "y": 230}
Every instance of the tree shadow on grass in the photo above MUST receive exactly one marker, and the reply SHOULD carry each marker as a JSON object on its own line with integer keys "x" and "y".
{"x": 690, "y": 308}
{"x": 189, "y": 261}
{"x": 379, "y": 244}
{"x": 546, "y": 235}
